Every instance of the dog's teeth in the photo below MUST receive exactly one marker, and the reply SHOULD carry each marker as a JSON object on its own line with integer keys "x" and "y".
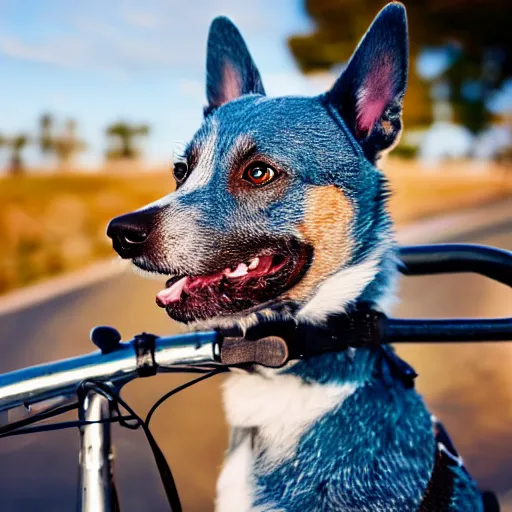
{"x": 239, "y": 271}
{"x": 254, "y": 264}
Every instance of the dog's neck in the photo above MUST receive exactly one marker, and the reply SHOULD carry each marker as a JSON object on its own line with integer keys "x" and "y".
{"x": 372, "y": 280}
{"x": 341, "y": 371}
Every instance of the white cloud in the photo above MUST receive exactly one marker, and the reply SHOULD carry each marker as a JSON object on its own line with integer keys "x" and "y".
{"x": 49, "y": 53}
{"x": 129, "y": 36}
{"x": 140, "y": 18}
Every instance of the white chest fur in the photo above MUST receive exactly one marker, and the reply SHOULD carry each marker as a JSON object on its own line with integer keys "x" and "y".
{"x": 234, "y": 486}
{"x": 281, "y": 407}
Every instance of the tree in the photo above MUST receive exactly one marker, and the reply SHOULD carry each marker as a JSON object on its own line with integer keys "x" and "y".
{"x": 64, "y": 145}
{"x": 17, "y": 144}
{"x": 478, "y": 29}
{"x": 123, "y": 137}
{"x": 45, "y": 133}
{"x": 67, "y": 144}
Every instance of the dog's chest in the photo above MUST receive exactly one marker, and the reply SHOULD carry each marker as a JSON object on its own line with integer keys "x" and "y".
{"x": 327, "y": 439}
{"x": 279, "y": 409}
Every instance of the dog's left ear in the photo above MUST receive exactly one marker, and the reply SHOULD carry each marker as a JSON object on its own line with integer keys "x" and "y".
{"x": 369, "y": 93}
{"x": 230, "y": 70}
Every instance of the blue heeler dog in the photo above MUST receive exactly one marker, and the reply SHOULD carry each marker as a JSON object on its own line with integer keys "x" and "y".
{"x": 279, "y": 206}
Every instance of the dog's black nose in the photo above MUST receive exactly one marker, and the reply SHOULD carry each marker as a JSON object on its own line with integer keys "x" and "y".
{"x": 130, "y": 232}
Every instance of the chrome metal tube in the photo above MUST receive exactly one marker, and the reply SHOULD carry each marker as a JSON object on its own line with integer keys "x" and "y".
{"x": 63, "y": 377}
{"x": 191, "y": 349}
{"x": 96, "y": 493}
{"x": 30, "y": 385}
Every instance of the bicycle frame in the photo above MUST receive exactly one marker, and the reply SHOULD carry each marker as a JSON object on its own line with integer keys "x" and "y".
{"x": 44, "y": 387}
{"x": 96, "y": 480}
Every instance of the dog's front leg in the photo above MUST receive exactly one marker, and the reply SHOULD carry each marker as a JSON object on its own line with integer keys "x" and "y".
{"x": 234, "y": 486}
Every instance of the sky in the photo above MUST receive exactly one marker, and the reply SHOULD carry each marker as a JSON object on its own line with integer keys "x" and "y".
{"x": 142, "y": 61}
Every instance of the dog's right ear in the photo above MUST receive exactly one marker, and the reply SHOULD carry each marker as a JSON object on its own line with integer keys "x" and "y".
{"x": 230, "y": 70}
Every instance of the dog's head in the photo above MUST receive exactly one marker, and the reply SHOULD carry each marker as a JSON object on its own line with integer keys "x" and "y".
{"x": 278, "y": 199}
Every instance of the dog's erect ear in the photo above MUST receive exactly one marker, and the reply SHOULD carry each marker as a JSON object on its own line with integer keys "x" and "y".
{"x": 230, "y": 70}
{"x": 370, "y": 91}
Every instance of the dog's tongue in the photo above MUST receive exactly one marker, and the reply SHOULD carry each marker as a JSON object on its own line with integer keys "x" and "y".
{"x": 171, "y": 294}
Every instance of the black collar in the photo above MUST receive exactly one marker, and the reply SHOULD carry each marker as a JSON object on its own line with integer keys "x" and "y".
{"x": 273, "y": 342}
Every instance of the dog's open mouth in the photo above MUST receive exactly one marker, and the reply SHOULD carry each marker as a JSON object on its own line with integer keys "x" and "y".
{"x": 239, "y": 286}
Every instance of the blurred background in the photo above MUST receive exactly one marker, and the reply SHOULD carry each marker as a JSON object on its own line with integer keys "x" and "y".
{"x": 95, "y": 98}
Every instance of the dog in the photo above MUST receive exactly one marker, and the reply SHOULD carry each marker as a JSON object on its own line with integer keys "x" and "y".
{"x": 281, "y": 210}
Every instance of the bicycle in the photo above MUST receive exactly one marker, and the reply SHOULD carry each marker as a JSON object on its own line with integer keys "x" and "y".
{"x": 91, "y": 384}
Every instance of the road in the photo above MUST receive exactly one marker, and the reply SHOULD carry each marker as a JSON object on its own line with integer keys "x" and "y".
{"x": 468, "y": 387}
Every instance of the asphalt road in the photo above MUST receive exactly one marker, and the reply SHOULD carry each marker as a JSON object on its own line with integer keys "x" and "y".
{"x": 468, "y": 387}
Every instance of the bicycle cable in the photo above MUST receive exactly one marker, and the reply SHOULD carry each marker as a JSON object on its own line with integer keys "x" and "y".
{"x": 131, "y": 421}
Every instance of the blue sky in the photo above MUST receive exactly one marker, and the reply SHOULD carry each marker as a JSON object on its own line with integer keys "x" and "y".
{"x": 100, "y": 61}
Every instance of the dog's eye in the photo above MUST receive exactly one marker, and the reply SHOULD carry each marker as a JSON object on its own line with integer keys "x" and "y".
{"x": 180, "y": 172}
{"x": 259, "y": 174}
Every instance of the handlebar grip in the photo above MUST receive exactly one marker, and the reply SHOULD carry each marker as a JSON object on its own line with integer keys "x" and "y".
{"x": 271, "y": 351}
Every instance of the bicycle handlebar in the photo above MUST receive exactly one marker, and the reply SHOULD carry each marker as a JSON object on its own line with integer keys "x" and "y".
{"x": 42, "y": 382}
{"x": 199, "y": 351}
{"x": 452, "y": 330}
{"x": 420, "y": 260}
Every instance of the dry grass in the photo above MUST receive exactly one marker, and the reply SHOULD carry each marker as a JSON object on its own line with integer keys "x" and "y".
{"x": 54, "y": 223}
{"x": 51, "y": 224}
{"x": 419, "y": 193}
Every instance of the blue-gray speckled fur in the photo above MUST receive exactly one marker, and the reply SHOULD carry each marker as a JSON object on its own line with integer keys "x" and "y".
{"x": 373, "y": 453}
{"x": 303, "y": 134}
